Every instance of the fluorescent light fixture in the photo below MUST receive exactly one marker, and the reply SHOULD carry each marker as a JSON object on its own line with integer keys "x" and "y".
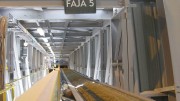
{"x": 41, "y": 31}
{"x": 45, "y": 40}
{"x": 50, "y": 48}
{"x": 48, "y": 44}
{"x": 25, "y": 44}
{"x": 57, "y": 38}
{"x": 51, "y": 51}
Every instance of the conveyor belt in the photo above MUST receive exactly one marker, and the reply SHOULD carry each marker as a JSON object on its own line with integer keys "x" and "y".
{"x": 94, "y": 91}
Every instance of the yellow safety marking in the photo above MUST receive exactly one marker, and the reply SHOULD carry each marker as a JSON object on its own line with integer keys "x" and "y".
{"x": 6, "y": 67}
{"x": 13, "y": 94}
{"x": 4, "y": 96}
{"x": 6, "y": 89}
{"x": 10, "y": 86}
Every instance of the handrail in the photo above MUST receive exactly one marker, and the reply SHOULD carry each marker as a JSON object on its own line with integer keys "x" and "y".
{"x": 10, "y": 85}
{"x": 15, "y": 80}
{"x": 6, "y": 89}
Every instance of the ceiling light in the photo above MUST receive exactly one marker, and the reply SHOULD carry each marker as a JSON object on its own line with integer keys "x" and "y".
{"x": 48, "y": 44}
{"x": 41, "y": 31}
{"x": 45, "y": 40}
{"x": 25, "y": 44}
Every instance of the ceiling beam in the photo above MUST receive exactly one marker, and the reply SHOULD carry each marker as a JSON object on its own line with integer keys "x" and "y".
{"x": 74, "y": 40}
{"x": 65, "y": 31}
{"x": 62, "y": 52}
{"x": 49, "y": 31}
{"x": 62, "y": 49}
{"x": 60, "y": 25}
{"x": 55, "y": 3}
{"x": 61, "y": 56}
{"x": 65, "y": 40}
{"x": 65, "y": 44}
{"x": 46, "y": 14}
{"x": 79, "y": 34}
{"x": 61, "y": 42}
{"x": 40, "y": 37}
{"x": 30, "y": 39}
{"x": 68, "y": 35}
{"x": 59, "y": 47}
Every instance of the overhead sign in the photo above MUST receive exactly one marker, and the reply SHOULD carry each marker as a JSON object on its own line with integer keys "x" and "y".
{"x": 80, "y": 6}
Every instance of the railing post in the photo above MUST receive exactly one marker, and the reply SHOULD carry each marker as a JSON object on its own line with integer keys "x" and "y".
{"x": 3, "y": 25}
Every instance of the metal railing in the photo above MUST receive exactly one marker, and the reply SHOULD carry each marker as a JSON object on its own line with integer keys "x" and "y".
{"x": 11, "y": 90}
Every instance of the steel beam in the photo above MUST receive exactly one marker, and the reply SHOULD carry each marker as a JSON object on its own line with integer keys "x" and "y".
{"x": 29, "y": 38}
{"x": 69, "y": 43}
{"x": 60, "y": 25}
{"x": 66, "y": 40}
{"x": 59, "y": 48}
{"x": 55, "y": 3}
{"x": 65, "y": 47}
{"x": 47, "y": 37}
{"x": 61, "y": 43}
{"x": 46, "y": 14}
{"x": 79, "y": 34}
{"x": 65, "y": 44}
{"x": 62, "y": 52}
{"x": 68, "y": 34}
{"x": 49, "y": 31}
{"x": 36, "y": 35}
{"x": 75, "y": 40}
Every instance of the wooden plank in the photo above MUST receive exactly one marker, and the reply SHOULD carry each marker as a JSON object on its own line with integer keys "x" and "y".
{"x": 150, "y": 94}
{"x": 160, "y": 92}
{"x": 43, "y": 90}
{"x": 165, "y": 89}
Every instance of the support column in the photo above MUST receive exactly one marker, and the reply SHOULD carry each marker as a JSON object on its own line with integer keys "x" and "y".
{"x": 17, "y": 73}
{"x": 172, "y": 9}
{"x": 98, "y": 62}
{"x": 89, "y": 64}
{"x": 109, "y": 67}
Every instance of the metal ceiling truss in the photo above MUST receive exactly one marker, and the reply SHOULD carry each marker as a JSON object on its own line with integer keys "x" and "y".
{"x": 71, "y": 40}
{"x": 61, "y": 24}
{"x": 59, "y": 35}
{"x": 64, "y": 36}
{"x": 56, "y": 3}
{"x": 49, "y": 31}
{"x": 28, "y": 37}
{"x": 29, "y": 14}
